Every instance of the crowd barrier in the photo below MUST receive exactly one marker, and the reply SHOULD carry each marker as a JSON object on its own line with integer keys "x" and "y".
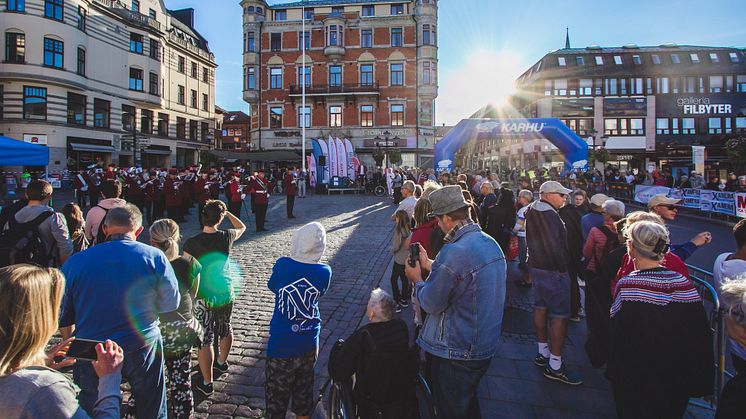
{"x": 704, "y": 201}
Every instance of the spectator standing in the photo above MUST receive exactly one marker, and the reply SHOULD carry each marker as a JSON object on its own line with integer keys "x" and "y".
{"x": 548, "y": 261}
{"x": 426, "y": 231}
{"x": 116, "y": 290}
{"x": 660, "y": 336}
{"x": 595, "y": 217}
{"x": 697, "y": 180}
{"x": 525, "y": 197}
{"x": 732, "y": 404}
{"x": 580, "y": 201}
{"x": 289, "y": 183}
{"x": 397, "y": 181}
{"x": 667, "y": 208}
{"x": 110, "y": 190}
{"x": 214, "y": 303}
{"x": 298, "y": 282}
{"x": 180, "y": 329}
{"x": 301, "y": 177}
{"x": 30, "y": 386}
{"x": 464, "y": 297}
{"x": 75, "y": 222}
{"x": 400, "y": 248}
{"x": 572, "y": 219}
{"x": 503, "y": 217}
{"x": 408, "y": 200}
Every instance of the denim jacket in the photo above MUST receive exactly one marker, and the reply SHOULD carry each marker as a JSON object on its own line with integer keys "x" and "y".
{"x": 464, "y": 297}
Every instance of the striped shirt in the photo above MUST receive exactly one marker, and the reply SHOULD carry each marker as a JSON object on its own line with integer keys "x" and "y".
{"x": 654, "y": 286}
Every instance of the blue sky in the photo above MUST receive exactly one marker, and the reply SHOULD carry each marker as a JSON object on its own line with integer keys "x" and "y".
{"x": 485, "y": 44}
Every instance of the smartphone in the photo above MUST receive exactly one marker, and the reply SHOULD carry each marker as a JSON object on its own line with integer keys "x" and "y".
{"x": 414, "y": 254}
{"x": 83, "y": 349}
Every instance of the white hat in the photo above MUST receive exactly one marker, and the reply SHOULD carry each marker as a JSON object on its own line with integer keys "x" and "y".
{"x": 662, "y": 199}
{"x": 552, "y": 186}
{"x": 599, "y": 199}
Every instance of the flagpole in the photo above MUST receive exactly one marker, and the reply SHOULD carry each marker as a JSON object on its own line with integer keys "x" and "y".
{"x": 303, "y": 85}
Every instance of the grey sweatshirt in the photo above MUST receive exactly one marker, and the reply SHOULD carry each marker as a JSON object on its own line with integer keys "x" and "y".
{"x": 52, "y": 231}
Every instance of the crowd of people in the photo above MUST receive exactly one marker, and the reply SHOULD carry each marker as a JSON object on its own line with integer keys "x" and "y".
{"x": 155, "y": 306}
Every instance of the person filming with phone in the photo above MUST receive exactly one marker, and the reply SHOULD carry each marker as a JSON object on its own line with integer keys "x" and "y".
{"x": 464, "y": 297}
{"x": 30, "y": 299}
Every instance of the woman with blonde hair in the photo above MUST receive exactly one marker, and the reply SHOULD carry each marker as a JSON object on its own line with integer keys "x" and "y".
{"x": 30, "y": 299}
{"x": 400, "y": 249}
{"x": 180, "y": 329}
{"x": 660, "y": 347}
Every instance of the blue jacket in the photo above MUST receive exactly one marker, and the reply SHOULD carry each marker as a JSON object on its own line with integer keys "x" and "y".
{"x": 464, "y": 297}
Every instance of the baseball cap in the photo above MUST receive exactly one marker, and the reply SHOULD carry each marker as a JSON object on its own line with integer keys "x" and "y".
{"x": 552, "y": 186}
{"x": 599, "y": 199}
{"x": 662, "y": 199}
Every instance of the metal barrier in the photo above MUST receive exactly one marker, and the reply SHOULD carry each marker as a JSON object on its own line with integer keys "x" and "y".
{"x": 703, "y": 282}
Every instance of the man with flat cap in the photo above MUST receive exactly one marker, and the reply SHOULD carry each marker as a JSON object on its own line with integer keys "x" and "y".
{"x": 259, "y": 189}
{"x": 464, "y": 297}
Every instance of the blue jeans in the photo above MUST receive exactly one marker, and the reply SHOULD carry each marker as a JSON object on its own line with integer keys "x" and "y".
{"x": 143, "y": 368}
{"x": 454, "y": 384}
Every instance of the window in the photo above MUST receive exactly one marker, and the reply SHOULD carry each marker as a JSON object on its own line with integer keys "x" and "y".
{"x": 397, "y": 74}
{"x": 136, "y": 79}
{"x": 366, "y": 38}
{"x": 622, "y": 87}
{"x": 135, "y": 43}
{"x": 101, "y": 113}
{"x": 81, "y": 62}
{"x": 53, "y": 53}
{"x": 635, "y": 86}
{"x": 714, "y": 58}
{"x": 599, "y": 60}
{"x": 636, "y": 60}
{"x": 716, "y": 84}
{"x": 304, "y": 36}
{"x": 259, "y": 11}
{"x": 54, "y": 9}
{"x": 193, "y": 98}
{"x": 281, "y": 15}
{"x": 662, "y": 85}
{"x": 182, "y": 65}
{"x": 560, "y": 87}
{"x": 397, "y": 115}
{"x": 661, "y": 126}
{"x": 16, "y": 6}
{"x": 82, "y": 14}
{"x": 366, "y": 115}
{"x": 561, "y": 61}
{"x": 205, "y": 101}
{"x": 76, "y": 105}
{"x": 163, "y": 124}
{"x": 733, "y": 57}
{"x": 205, "y": 128}
{"x": 308, "y": 14}
{"x": 580, "y": 61}
{"x": 687, "y": 126}
{"x": 136, "y": 6}
{"x": 694, "y": 58}
{"x": 741, "y": 83}
{"x": 205, "y": 75}
{"x": 741, "y": 124}
{"x": 275, "y": 41}
{"x": 251, "y": 42}
{"x": 153, "y": 84}
{"x": 636, "y": 126}
{"x": 146, "y": 121}
{"x": 428, "y": 34}
{"x": 192, "y": 130}
{"x": 611, "y": 127}
{"x": 180, "y": 128}
{"x": 581, "y": 126}
{"x": 34, "y": 103}
{"x": 152, "y": 14}
{"x": 610, "y": 86}
{"x": 195, "y": 71}
{"x": 397, "y": 9}
{"x": 338, "y": 10}
{"x": 728, "y": 127}
{"x": 369, "y": 10}
{"x": 335, "y": 75}
{"x": 714, "y": 126}
{"x": 335, "y": 116}
{"x": 366, "y": 75}
{"x": 155, "y": 49}
{"x": 618, "y": 59}
{"x": 656, "y": 59}
{"x": 728, "y": 84}
{"x": 251, "y": 78}
{"x": 304, "y": 76}
{"x": 129, "y": 116}
{"x": 675, "y": 59}
{"x": 396, "y": 37}
{"x": 584, "y": 87}
{"x": 335, "y": 35}
{"x": 426, "y": 72}
{"x": 275, "y": 78}
{"x": 275, "y": 117}
{"x": 688, "y": 84}
{"x": 15, "y": 47}
{"x": 181, "y": 99}
{"x": 304, "y": 117}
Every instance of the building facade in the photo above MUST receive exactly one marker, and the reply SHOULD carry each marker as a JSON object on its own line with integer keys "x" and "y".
{"x": 644, "y": 105}
{"x": 233, "y": 133}
{"x": 370, "y": 74}
{"x": 83, "y": 76}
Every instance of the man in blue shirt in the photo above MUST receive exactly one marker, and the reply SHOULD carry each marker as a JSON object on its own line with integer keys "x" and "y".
{"x": 115, "y": 291}
{"x": 595, "y": 217}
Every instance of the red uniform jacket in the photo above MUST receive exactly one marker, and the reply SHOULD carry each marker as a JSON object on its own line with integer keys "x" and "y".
{"x": 109, "y": 175}
{"x": 200, "y": 192}
{"x": 288, "y": 184}
{"x": 133, "y": 184}
{"x": 234, "y": 191}
{"x": 77, "y": 182}
{"x": 260, "y": 189}
{"x": 154, "y": 191}
{"x": 173, "y": 199}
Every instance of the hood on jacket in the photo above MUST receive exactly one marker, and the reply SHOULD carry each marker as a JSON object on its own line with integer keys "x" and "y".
{"x": 110, "y": 203}
{"x": 308, "y": 243}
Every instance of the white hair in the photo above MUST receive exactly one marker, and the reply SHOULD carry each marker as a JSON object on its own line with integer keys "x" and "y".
{"x": 647, "y": 237}
{"x": 614, "y": 208}
{"x": 733, "y": 294}
{"x": 382, "y": 304}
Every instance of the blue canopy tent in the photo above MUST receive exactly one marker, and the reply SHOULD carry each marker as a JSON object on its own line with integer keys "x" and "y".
{"x": 18, "y": 153}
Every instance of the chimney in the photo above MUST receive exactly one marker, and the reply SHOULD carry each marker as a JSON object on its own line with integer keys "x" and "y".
{"x": 185, "y": 16}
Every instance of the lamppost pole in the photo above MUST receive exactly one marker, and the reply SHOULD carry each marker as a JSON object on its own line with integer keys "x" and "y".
{"x": 303, "y": 86}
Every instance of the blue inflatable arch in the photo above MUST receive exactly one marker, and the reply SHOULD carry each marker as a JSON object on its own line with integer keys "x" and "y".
{"x": 574, "y": 148}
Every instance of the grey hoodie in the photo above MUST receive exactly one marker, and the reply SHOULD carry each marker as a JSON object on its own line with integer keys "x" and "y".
{"x": 52, "y": 231}
{"x": 308, "y": 243}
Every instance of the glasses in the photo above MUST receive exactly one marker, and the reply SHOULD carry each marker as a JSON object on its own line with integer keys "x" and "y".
{"x": 564, "y": 195}
{"x": 670, "y": 207}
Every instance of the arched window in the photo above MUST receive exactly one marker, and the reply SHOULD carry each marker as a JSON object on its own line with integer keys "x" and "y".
{"x": 259, "y": 11}
{"x": 250, "y": 9}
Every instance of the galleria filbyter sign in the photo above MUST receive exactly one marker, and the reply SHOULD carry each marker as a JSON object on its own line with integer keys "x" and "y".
{"x": 703, "y": 106}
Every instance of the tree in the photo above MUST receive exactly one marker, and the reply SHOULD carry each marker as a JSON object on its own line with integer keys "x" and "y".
{"x": 378, "y": 156}
{"x": 395, "y": 156}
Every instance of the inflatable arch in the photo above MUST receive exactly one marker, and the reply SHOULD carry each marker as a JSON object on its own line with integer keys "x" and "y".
{"x": 574, "y": 148}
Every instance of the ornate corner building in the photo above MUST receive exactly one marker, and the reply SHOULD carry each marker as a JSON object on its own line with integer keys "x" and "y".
{"x": 370, "y": 74}
{"x": 83, "y": 76}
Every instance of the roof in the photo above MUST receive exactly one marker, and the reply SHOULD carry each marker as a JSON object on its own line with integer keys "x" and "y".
{"x": 235, "y": 117}
{"x": 202, "y": 42}
{"x": 321, "y": 3}
{"x": 595, "y": 49}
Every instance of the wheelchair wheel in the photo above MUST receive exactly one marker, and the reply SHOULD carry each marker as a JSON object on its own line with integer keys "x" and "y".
{"x": 340, "y": 402}
{"x": 379, "y": 190}
{"x": 425, "y": 403}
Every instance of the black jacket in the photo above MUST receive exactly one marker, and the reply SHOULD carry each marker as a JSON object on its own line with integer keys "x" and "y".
{"x": 546, "y": 237}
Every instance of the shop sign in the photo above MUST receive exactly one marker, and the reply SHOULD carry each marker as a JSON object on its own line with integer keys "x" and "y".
{"x": 383, "y": 133}
{"x": 371, "y": 143}
{"x": 35, "y": 139}
{"x": 287, "y": 133}
{"x": 566, "y": 108}
{"x": 625, "y": 106}
{"x": 702, "y": 106}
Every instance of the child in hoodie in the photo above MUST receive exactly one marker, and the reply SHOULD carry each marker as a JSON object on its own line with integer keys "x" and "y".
{"x": 298, "y": 282}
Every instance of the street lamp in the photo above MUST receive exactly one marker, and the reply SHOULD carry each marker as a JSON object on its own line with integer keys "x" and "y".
{"x": 386, "y": 135}
{"x": 136, "y": 156}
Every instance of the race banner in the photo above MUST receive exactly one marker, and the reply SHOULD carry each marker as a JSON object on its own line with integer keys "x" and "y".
{"x": 741, "y": 204}
{"x": 691, "y": 198}
{"x": 643, "y": 193}
{"x": 720, "y": 202}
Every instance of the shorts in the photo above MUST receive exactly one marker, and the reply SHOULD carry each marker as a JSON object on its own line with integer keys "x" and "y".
{"x": 286, "y": 377}
{"x": 551, "y": 291}
{"x": 214, "y": 321}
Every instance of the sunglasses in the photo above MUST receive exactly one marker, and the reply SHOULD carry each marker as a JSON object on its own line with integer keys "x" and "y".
{"x": 670, "y": 207}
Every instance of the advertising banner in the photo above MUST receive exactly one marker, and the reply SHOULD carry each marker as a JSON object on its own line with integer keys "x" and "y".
{"x": 720, "y": 202}
{"x": 643, "y": 193}
{"x": 691, "y": 198}
{"x": 741, "y": 204}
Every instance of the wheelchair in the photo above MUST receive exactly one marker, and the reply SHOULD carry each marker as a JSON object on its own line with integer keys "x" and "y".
{"x": 341, "y": 403}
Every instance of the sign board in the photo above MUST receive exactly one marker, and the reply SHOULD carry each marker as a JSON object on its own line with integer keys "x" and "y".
{"x": 625, "y": 107}
{"x": 643, "y": 193}
{"x": 720, "y": 202}
{"x": 702, "y": 106}
{"x": 741, "y": 204}
{"x": 691, "y": 198}
{"x": 40, "y": 139}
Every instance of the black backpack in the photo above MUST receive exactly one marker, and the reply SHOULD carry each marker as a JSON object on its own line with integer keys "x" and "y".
{"x": 100, "y": 235}
{"x": 21, "y": 243}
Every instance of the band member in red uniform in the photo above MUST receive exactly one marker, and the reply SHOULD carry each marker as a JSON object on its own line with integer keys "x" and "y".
{"x": 259, "y": 188}
{"x": 94, "y": 183}
{"x": 136, "y": 189}
{"x": 156, "y": 196}
{"x": 80, "y": 182}
{"x": 201, "y": 193}
{"x": 186, "y": 190}
{"x": 235, "y": 195}
{"x": 289, "y": 184}
{"x": 173, "y": 198}
{"x": 214, "y": 183}
{"x": 110, "y": 173}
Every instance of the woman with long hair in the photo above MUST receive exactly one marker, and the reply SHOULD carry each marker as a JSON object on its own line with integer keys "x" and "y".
{"x": 180, "y": 329}
{"x": 75, "y": 226}
{"x": 400, "y": 248}
{"x": 30, "y": 298}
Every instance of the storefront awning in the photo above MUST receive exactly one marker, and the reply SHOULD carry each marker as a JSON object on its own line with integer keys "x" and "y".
{"x": 159, "y": 152}
{"x": 625, "y": 143}
{"x": 92, "y": 147}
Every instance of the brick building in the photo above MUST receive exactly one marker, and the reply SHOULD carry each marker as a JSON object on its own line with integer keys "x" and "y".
{"x": 234, "y": 131}
{"x": 370, "y": 74}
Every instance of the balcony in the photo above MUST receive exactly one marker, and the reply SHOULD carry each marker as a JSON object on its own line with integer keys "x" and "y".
{"x": 121, "y": 10}
{"x": 336, "y": 90}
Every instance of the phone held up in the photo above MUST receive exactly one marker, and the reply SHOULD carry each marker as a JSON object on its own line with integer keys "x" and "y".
{"x": 414, "y": 254}
{"x": 84, "y": 349}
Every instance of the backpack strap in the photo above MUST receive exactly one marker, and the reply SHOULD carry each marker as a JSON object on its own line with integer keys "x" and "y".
{"x": 29, "y": 225}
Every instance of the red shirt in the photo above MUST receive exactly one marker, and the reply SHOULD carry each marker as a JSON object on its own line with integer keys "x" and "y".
{"x": 289, "y": 185}
{"x": 670, "y": 261}
{"x": 259, "y": 188}
{"x": 422, "y": 236}
{"x": 234, "y": 191}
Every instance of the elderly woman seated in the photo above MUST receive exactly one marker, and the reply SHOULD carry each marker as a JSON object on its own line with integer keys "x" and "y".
{"x": 384, "y": 366}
